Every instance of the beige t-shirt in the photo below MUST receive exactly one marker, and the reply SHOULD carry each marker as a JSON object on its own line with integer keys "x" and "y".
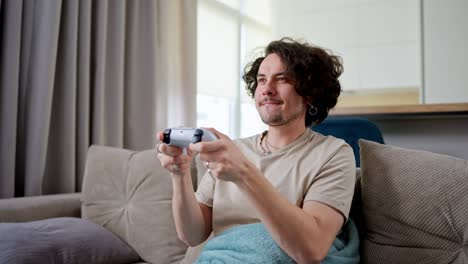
{"x": 312, "y": 168}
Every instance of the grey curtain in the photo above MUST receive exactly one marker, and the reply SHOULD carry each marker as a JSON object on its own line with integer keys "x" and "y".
{"x": 75, "y": 73}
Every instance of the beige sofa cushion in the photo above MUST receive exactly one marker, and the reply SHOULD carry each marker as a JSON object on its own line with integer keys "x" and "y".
{"x": 130, "y": 194}
{"x": 415, "y": 206}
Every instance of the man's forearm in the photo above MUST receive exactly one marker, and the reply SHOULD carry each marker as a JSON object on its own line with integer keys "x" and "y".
{"x": 296, "y": 232}
{"x": 188, "y": 217}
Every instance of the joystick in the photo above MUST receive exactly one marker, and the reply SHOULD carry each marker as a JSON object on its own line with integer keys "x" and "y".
{"x": 183, "y": 136}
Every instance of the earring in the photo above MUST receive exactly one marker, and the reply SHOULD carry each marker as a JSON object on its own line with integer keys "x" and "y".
{"x": 312, "y": 110}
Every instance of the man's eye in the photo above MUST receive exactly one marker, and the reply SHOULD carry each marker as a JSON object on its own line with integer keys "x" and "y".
{"x": 281, "y": 79}
{"x": 261, "y": 80}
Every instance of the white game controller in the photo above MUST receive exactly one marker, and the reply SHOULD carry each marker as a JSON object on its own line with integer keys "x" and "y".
{"x": 183, "y": 136}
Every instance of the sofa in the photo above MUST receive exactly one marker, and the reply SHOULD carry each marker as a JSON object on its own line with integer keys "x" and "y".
{"x": 409, "y": 206}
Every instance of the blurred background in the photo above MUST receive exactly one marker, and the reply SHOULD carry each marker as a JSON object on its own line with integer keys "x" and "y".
{"x": 399, "y": 52}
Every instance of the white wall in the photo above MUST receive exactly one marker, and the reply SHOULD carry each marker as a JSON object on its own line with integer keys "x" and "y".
{"x": 443, "y": 135}
{"x": 445, "y": 51}
{"x": 380, "y": 41}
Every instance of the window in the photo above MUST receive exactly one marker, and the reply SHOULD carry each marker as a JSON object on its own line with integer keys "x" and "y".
{"x": 228, "y": 35}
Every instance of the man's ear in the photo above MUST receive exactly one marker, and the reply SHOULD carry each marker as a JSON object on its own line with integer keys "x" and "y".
{"x": 308, "y": 100}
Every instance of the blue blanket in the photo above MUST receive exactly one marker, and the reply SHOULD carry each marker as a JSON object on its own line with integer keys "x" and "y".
{"x": 253, "y": 244}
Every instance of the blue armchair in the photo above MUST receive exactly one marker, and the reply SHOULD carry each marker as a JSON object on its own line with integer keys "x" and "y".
{"x": 351, "y": 129}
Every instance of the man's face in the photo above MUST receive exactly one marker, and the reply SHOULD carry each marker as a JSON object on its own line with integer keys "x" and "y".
{"x": 275, "y": 97}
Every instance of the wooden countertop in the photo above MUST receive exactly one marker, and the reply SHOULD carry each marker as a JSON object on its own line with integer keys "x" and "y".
{"x": 403, "y": 110}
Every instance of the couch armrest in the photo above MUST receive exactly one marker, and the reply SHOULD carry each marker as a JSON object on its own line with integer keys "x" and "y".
{"x": 40, "y": 207}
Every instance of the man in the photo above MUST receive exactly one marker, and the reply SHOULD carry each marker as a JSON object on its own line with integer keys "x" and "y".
{"x": 298, "y": 183}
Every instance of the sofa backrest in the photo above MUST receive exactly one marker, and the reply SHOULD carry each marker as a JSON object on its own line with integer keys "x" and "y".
{"x": 351, "y": 130}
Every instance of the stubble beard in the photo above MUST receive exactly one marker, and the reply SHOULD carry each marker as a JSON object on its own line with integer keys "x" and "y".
{"x": 278, "y": 119}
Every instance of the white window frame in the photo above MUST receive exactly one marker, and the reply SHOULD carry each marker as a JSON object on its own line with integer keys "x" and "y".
{"x": 241, "y": 17}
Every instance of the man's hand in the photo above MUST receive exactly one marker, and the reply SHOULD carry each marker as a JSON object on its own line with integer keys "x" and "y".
{"x": 192, "y": 219}
{"x": 172, "y": 158}
{"x": 222, "y": 157}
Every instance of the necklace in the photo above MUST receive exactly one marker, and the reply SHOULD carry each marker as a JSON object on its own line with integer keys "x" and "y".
{"x": 266, "y": 151}
{"x": 268, "y": 143}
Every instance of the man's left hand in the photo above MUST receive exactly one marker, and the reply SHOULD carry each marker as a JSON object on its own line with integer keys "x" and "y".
{"x": 222, "y": 157}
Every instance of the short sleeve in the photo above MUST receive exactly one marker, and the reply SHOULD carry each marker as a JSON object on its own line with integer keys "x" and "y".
{"x": 334, "y": 184}
{"x": 205, "y": 190}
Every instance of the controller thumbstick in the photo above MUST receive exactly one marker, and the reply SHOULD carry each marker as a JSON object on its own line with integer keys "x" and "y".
{"x": 167, "y": 136}
{"x": 197, "y": 135}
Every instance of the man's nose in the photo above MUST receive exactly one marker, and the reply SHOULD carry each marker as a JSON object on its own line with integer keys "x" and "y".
{"x": 269, "y": 88}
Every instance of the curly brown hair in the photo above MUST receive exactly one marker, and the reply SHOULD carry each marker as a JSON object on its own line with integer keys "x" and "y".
{"x": 314, "y": 70}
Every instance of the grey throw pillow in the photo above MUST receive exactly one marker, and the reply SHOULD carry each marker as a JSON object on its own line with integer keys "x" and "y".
{"x": 61, "y": 240}
{"x": 415, "y": 206}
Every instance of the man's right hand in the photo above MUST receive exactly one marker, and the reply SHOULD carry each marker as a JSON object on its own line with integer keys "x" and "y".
{"x": 192, "y": 219}
{"x": 172, "y": 158}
